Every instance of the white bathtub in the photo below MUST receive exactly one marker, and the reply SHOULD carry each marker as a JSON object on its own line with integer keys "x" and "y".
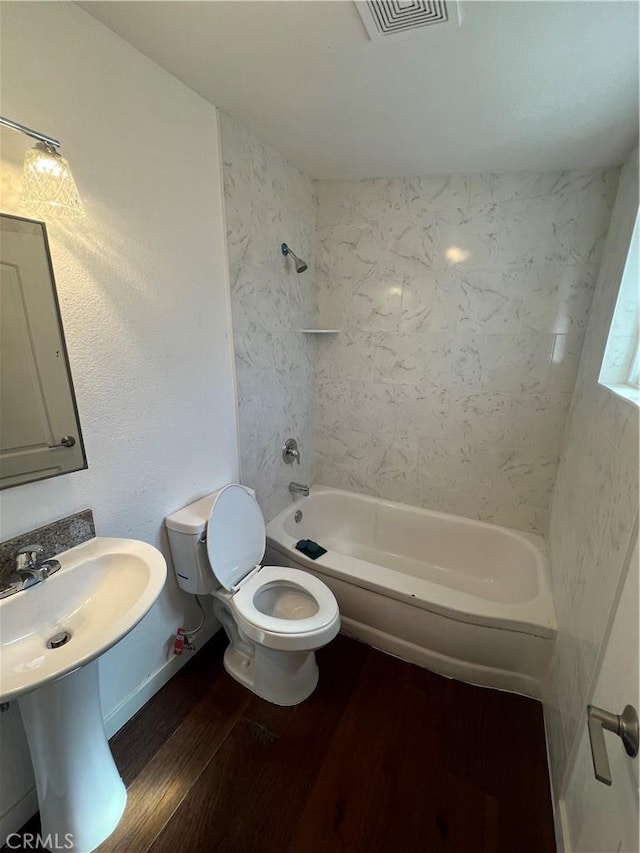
{"x": 464, "y": 598}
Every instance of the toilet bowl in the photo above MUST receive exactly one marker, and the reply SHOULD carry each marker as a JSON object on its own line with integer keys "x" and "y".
{"x": 275, "y": 617}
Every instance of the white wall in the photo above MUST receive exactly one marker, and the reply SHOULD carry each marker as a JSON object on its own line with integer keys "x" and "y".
{"x": 268, "y": 202}
{"x": 143, "y": 289}
{"x": 595, "y": 506}
{"x": 463, "y": 301}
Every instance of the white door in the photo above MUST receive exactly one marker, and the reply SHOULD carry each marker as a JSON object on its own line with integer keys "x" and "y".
{"x": 608, "y": 816}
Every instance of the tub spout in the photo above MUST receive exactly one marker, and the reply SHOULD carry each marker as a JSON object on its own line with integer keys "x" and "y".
{"x": 299, "y": 489}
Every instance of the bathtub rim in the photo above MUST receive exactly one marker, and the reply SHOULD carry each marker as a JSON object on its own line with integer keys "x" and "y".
{"x": 536, "y": 616}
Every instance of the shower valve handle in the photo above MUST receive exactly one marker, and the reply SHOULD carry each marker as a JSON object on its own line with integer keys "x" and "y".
{"x": 290, "y": 452}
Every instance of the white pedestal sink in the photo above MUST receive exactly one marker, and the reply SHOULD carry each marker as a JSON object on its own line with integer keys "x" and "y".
{"x": 80, "y": 791}
{"x": 102, "y": 590}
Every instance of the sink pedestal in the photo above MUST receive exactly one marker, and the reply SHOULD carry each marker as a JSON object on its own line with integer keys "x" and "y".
{"x": 80, "y": 792}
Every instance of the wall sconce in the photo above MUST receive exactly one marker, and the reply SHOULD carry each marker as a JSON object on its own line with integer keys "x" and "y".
{"x": 48, "y": 187}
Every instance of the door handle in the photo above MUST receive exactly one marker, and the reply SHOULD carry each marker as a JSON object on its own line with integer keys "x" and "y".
{"x": 65, "y": 441}
{"x": 625, "y": 725}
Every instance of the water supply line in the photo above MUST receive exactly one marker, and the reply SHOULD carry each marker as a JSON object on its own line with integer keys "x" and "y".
{"x": 192, "y": 634}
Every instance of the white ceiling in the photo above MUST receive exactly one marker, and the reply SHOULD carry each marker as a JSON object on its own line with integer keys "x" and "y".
{"x": 520, "y": 85}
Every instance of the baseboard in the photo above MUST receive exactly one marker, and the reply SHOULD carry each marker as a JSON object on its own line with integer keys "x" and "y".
{"x": 139, "y": 697}
{"x": 556, "y": 805}
{"x": 19, "y": 813}
{"x": 562, "y": 829}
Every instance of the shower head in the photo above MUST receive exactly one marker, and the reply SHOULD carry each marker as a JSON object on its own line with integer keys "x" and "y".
{"x": 301, "y": 265}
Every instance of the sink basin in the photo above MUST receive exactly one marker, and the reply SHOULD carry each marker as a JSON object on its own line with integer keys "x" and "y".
{"x": 102, "y": 590}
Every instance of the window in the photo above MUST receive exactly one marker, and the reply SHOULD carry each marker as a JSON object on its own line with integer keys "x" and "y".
{"x": 620, "y": 371}
{"x": 634, "y": 372}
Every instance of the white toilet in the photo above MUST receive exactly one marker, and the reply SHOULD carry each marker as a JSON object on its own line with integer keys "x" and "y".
{"x": 275, "y": 617}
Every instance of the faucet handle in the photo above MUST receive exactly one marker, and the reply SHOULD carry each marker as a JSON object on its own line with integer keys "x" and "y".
{"x": 290, "y": 452}
{"x": 27, "y": 556}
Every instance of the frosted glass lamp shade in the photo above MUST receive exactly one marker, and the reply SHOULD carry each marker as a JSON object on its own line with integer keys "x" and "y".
{"x": 48, "y": 188}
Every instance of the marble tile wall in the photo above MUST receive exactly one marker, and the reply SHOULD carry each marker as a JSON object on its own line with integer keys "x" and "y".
{"x": 267, "y": 202}
{"x": 463, "y": 302}
{"x": 594, "y": 511}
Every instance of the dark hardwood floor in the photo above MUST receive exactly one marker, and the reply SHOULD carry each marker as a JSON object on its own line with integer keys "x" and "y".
{"x": 384, "y": 756}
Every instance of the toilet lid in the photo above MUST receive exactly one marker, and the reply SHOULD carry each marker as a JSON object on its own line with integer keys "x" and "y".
{"x": 236, "y": 537}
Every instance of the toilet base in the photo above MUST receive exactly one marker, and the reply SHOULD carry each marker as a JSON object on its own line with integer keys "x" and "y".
{"x": 284, "y": 678}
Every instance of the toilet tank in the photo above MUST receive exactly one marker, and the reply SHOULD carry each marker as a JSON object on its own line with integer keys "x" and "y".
{"x": 187, "y": 531}
{"x": 187, "y": 528}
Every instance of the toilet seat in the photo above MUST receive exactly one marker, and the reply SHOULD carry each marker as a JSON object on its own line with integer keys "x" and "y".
{"x": 244, "y": 601}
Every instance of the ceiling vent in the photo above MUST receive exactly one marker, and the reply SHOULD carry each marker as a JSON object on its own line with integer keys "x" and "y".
{"x": 391, "y": 17}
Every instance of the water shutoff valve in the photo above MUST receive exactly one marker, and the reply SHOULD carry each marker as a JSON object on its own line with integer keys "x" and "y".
{"x": 182, "y": 642}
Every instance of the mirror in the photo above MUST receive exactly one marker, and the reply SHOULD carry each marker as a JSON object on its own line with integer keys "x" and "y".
{"x": 39, "y": 426}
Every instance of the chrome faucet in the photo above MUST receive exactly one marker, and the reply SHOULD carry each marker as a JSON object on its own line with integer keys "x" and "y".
{"x": 30, "y": 569}
{"x": 27, "y": 557}
{"x": 299, "y": 489}
{"x": 29, "y": 564}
